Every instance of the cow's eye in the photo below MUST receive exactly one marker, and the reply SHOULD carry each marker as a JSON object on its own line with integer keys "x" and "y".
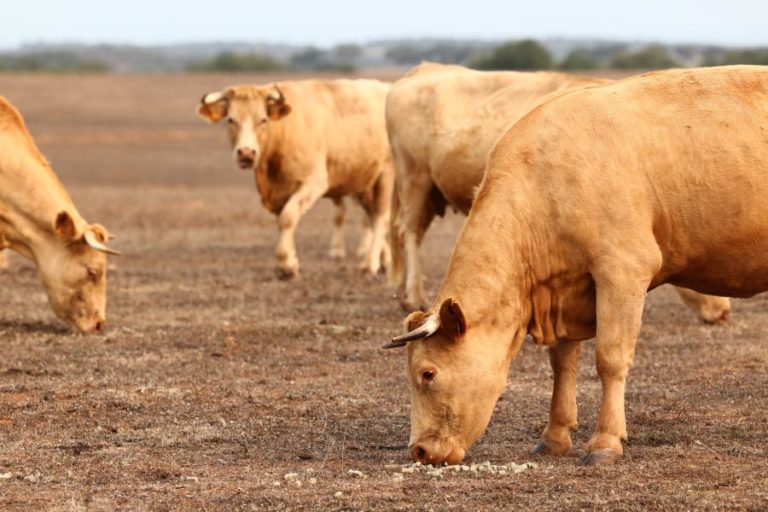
{"x": 231, "y": 121}
{"x": 428, "y": 375}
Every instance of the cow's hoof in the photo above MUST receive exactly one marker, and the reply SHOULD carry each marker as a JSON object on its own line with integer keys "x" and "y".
{"x": 717, "y": 319}
{"x": 285, "y": 274}
{"x": 603, "y": 457}
{"x": 542, "y": 448}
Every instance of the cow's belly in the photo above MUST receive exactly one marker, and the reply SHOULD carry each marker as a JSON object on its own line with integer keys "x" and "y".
{"x": 737, "y": 268}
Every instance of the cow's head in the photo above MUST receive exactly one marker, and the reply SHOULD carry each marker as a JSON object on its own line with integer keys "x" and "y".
{"x": 456, "y": 374}
{"x": 73, "y": 268}
{"x": 248, "y": 112}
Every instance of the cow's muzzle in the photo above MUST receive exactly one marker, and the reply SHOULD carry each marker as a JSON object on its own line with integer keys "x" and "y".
{"x": 437, "y": 452}
{"x": 246, "y": 158}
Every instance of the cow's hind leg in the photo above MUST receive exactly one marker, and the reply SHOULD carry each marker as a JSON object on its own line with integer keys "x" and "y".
{"x": 709, "y": 308}
{"x": 621, "y": 287}
{"x": 378, "y": 256}
{"x": 556, "y": 439}
{"x": 303, "y": 199}
{"x": 338, "y": 249}
{"x": 365, "y": 242}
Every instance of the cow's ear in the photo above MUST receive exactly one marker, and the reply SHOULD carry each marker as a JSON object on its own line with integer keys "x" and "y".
{"x": 65, "y": 227}
{"x": 213, "y": 106}
{"x": 452, "y": 319}
{"x": 277, "y": 107}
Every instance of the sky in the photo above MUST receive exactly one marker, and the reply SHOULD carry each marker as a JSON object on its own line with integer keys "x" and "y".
{"x": 328, "y": 22}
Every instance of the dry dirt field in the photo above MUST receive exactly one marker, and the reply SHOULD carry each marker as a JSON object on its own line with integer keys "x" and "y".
{"x": 215, "y": 379}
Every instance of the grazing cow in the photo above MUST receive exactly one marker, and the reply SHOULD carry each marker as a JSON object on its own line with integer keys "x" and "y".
{"x": 466, "y": 111}
{"x": 308, "y": 139}
{"x": 39, "y": 221}
{"x": 589, "y": 201}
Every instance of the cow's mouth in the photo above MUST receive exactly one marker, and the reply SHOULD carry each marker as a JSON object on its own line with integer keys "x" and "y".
{"x": 245, "y": 163}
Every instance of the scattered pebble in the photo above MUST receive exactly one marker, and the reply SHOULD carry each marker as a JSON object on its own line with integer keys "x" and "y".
{"x": 276, "y": 483}
{"x": 6, "y": 476}
{"x": 189, "y": 478}
{"x": 484, "y": 467}
{"x": 338, "y": 494}
{"x": 398, "y": 477}
{"x": 312, "y": 481}
{"x": 291, "y": 476}
{"x": 358, "y": 474}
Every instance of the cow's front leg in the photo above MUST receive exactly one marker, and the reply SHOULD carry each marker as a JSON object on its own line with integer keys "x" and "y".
{"x": 709, "y": 308}
{"x": 338, "y": 249}
{"x": 303, "y": 199}
{"x": 556, "y": 439}
{"x": 620, "y": 300}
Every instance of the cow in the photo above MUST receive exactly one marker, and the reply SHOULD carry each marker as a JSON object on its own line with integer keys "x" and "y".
{"x": 466, "y": 111}
{"x": 39, "y": 221}
{"x": 308, "y": 139}
{"x": 591, "y": 200}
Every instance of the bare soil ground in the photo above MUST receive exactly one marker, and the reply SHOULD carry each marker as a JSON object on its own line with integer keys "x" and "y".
{"x": 216, "y": 380}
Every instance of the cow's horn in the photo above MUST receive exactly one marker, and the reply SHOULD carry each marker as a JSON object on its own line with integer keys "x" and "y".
{"x": 428, "y": 328}
{"x": 93, "y": 243}
{"x": 212, "y": 97}
{"x": 277, "y": 95}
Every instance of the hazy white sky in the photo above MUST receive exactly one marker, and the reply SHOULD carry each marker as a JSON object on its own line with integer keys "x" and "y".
{"x": 327, "y": 22}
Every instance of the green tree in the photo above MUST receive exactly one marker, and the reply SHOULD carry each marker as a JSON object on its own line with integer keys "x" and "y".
{"x": 758, "y": 56}
{"x": 238, "y": 63}
{"x": 525, "y": 54}
{"x": 652, "y": 57}
{"x": 578, "y": 60}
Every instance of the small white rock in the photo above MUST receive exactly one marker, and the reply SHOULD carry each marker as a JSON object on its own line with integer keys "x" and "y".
{"x": 276, "y": 483}
{"x": 398, "y": 477}
{"x": 312, "y": 481}
{"x": 291, "y": 476}
{"x": 354, "y": 472}
{"x": 408, "y": 470}
{"x": 6, "y": 476}
{"x": 338, "y": 494}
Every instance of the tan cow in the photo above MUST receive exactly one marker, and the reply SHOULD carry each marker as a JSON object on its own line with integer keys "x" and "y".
{"x": 310, "y": 139}
{"x": 442, "y": 122}
{"x": 588, "y": 202}
{"x": 39, "y": 221}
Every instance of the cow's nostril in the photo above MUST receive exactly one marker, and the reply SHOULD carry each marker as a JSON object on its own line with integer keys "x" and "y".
{"x": 420, "y": 454}
{"x": 99, "y": 327}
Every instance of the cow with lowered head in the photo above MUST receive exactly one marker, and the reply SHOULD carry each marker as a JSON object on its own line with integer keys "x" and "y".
{"x": 590, "y": 201}
{"x": 310, "y": 139}
{"x": 39, "y": 221}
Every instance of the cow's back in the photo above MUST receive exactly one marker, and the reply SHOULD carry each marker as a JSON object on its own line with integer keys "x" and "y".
{"x": 445, "y": 119}
{"x": 678, "y": 155}
{"x": 353, "y": 128}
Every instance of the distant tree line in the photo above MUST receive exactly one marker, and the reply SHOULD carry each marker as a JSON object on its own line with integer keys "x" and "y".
{"x": 51, "y": 62}
{"x": 530, "y": 54}
{"x": 341, "y": 58}
{"x": 520, "y": 55}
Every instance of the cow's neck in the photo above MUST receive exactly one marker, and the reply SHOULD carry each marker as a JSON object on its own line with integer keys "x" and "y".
{"x": 31, "y": 196}
{"x": 489, "y": 276}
